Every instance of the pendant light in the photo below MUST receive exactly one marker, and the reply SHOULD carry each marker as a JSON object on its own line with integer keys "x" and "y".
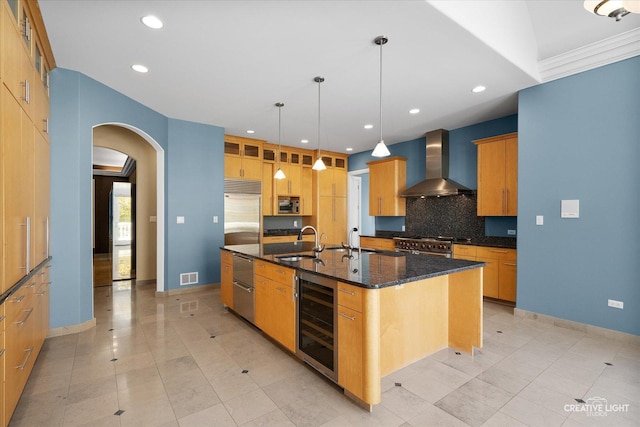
{"x": 319, "y": 164}
{"x": 381, "y": 149}
{"x": 279, "y": 174}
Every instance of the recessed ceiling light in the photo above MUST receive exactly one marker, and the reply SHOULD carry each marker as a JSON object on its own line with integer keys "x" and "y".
{"x": 349, "y": 149}
{"x": 414, "y": 111}
{"x": 368, "y": 126}
{"x": 304, "y": 141}
{"x": 251, "y": 131}
{"x": 152, "y": 22}
{"x": 478, "y": 89}
{"x": 139, "y": 68}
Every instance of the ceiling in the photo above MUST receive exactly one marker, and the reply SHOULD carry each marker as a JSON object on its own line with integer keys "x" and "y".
{"x": 226, "y": 63}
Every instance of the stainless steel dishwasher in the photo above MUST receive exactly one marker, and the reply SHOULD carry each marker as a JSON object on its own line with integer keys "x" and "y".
{"x": 243, "y": 295}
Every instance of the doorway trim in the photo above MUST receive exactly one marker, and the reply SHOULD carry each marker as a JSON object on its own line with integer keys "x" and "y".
{"x": 160, "y": 202}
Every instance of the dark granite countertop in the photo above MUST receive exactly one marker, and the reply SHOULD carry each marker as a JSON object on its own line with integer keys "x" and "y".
{"x": 366, "y": 269}
{"x": 498, "y": 242}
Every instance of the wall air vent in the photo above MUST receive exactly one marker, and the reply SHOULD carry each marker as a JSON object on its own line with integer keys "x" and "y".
{"x": 188, "y": 278}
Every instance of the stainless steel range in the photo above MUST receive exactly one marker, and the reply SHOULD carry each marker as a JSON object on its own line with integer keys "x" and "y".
{"x": 437, "y": 246}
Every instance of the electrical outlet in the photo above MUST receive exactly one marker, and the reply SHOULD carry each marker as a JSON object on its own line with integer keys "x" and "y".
{"x": 615, "y": 304}
{"x": 215, "y": 219}
{"x": 403, "y": 228}
{"x": 295, "y": 224}
{"x": 180, "y": 220}
{"x": 539, "y": 219}
{"x": 511, "y": 232}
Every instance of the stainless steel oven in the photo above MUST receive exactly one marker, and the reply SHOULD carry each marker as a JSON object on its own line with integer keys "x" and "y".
{"x": 317, "y": 332}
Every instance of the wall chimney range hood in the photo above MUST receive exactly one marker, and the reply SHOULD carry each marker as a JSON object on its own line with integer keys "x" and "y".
{"x": 437, "y": 183}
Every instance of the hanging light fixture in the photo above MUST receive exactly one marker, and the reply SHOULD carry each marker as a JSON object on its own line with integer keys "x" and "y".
{"x": 319, "y": 164}
{"x": 279, "y": 174}
{"x": 381, "y": 149}
{"x": 612, "y": 8}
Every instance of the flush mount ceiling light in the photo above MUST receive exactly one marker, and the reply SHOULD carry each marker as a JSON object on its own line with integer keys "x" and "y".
{"x": 414, "y": 111}
{"x": 304, "y": 141}
{"x": 612, "y": 8}
{"x": 152, "y": 22}
{"x": 139, "y": 68}
{"x": 368, "y": 126}
{"x": 279, "y": 174}
{"x": 319, "y": 164}
{"x": 381, "y": 149}
{"x": 251, "y": 131}
{"x": 478, "y": 89}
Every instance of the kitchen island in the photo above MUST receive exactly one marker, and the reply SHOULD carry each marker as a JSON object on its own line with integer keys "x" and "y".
{"x": 390, "y": 309}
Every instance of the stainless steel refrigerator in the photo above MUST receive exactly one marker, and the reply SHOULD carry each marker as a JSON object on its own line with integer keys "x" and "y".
{"x": 242, "y": 211}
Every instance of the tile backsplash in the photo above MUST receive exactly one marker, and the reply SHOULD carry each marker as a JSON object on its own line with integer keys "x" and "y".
{"x": 444, "y": 216}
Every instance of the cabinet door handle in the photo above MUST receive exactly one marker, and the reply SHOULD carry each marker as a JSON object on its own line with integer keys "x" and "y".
{"x": 379, "y": 205}
{"x": 347, "y": 316}
{"x": 27, "y": 225}
{"x": 511, "y": 264}
{"x": 18, "y": 299}
{"x": 45, "y": 127}
{"x": 279, "y": 289}
{"x": 40, "y": 294}
{"x": 2, "y": 318}
{"x": 23, "y": 321}
{"x": 346, "y": 291}
{"x": 1, "y": 352}
{"x": 506, "y": 202}
{"x": 498, "y": 251}
{"x": 27, "y": 91}
{"x": 26, "y": 359}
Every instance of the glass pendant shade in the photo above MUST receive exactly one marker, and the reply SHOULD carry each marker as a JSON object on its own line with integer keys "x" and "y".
{"x": 279, "y": 174}
{"x": 381, "y": 150}
{"x": 319, "y": 165}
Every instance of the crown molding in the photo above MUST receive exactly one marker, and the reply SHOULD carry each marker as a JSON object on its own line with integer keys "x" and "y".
{"x": 607, "y": 51}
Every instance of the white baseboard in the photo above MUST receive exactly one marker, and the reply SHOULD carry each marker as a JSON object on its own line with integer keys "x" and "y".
{"x": 188, "y": 290}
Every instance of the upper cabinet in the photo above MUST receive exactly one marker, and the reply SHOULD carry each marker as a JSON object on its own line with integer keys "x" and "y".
{"x": 387, "y": 179}
{"x": 333, "y": 180}
{"x": 242, "y": 158}
{"x": 498, "y": 175}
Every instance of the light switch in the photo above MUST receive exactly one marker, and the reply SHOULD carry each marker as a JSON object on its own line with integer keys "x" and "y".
{"x": 215, "y": 219}
{"x": 570, "y": 209}
{"x": 180, "y": 220}
{"x": 539, "y": 220}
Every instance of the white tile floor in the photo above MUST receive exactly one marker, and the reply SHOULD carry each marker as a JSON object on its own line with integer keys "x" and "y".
{"x": 179, "y": 361}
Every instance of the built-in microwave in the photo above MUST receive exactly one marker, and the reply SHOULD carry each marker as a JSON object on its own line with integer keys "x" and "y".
{"x": 289, "y": 205}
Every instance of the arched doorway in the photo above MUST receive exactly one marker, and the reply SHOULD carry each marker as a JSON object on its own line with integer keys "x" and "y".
{"x": 149, "y": 188}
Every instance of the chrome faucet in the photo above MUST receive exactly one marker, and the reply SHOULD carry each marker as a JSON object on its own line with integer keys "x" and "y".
{"x": 317, "y": 248}
{"x": 349, "y": 244}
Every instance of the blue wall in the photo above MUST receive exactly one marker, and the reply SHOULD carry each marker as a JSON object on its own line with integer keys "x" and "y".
{"x": 463, "y": 166}
{"x": 196, "y": 191}
{"x": 79, "y": 103}
{"x": 579, "y": 138}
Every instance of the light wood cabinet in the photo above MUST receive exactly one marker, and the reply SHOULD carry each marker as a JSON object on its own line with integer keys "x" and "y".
{"x": 378, "y": 243}
{"x": 275, "y": 302}
{"x": 287, "y": 239}
{"x": 25, "y": 61}
{"x": 226, "y": 278}
{"x": 387, "y": 180}
{"x": 290, "y": 163}
{"x": 350, "y": 339}
{"x": 242, "y": 158}
{"x": 499, "y": 272}
{"x": 330, "y": 206}
{"x": 298, "y": 182}
{"x": 498, "y": 175}
{"x": 306, "y": 196}
{"x": 17, "y": 145}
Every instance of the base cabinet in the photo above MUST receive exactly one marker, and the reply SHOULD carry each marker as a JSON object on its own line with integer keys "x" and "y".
{"x": 499, "y": 273}
{"x": 275, "y": 308}
{"x": 350, "y": 339}
{"x": 378, "y": 243}
{"x": 226, "y": 278}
